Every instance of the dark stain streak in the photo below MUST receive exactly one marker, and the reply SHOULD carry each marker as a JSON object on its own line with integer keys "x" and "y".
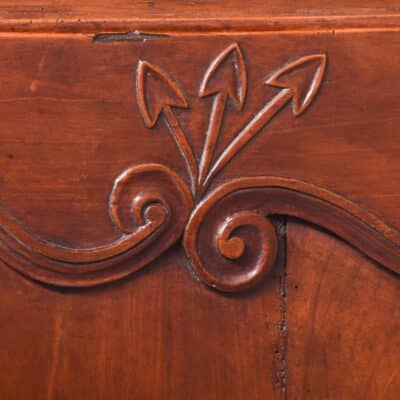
{"x": 131, "y": 36}
{"x": 281, "y": 353}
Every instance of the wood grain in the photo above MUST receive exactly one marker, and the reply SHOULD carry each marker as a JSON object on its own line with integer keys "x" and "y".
{"x": 230, "y": 112}
{"x": 164, "y": 15}
{"x": 343, "y": 321}
{"x": 160, "y": 336}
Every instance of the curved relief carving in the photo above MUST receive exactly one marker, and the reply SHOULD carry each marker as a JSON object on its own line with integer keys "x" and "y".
{"x": 161, "y": 101}
{"x": 216, "y": 247}
{"x": 229, "y": 63}
{"x": 228, "y": 238}
{"x": 228, "y": 257}
{"x": 149, "y": 204}
{"x": 294, "y": 88}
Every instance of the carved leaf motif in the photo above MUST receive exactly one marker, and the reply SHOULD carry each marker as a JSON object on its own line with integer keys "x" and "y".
{"x": 225, "y": 78}
{"x": 227, "y": 74}
{"x": 156, "y": 90}
{"x": 294, "y": 87}
{"x": 303, "y": 78}
{"x": 157, "y": 93}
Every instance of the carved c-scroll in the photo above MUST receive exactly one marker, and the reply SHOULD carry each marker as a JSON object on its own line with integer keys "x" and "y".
{"x": 149, "y": 204}
{"x": 232, "y": 245}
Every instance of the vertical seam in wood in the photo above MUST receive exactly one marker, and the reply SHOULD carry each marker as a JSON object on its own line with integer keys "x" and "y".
{"x": 282, "y": 371}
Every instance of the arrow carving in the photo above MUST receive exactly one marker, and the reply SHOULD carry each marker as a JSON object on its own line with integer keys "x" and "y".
{"x": 154, "y": 103}
{"x": 290, "y": 79}
{"x": 151, "y": 207}
{"x": 224, "y": 79}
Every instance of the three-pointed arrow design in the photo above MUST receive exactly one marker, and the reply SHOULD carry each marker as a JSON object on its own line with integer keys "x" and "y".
{"x": 225, "y": 78}
{"x": 154, "y": 103}
{"x": 293, "y": 88}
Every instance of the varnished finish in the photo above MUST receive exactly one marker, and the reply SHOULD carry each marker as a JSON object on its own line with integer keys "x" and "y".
{"x": 158, "y": 336}
{"x": 158, "y": 97}
{"x": 343, "y": 321}
{"x": 148, "y": 202}
{"x": 269, "y": 196}
{"x": 164, "y": 148}
{"x": 151, "y": 335}
{"x": 179, "y": 15}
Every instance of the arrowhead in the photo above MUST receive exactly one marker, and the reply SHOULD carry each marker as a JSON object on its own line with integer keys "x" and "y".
{"x": 303, "y": 77}
{"x": 156, "y": 89}
{"x": 227, "y": 73}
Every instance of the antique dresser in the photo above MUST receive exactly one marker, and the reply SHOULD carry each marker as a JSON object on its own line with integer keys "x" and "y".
{"x": 199, "y": 200}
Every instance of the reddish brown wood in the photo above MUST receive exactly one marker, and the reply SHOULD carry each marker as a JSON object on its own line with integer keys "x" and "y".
{"x": 161, "y": 101}
{"x": 174, "y": 149}
{"x": 180, "y": 8}
{"x": 180, "y": 15}
{"x": 210, "y": 232}
{"x": 160, "y": 336}
{"x": 343, "y": 321}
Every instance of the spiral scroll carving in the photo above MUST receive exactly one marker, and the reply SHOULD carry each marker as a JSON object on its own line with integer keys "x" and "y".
{"x": 231, "y": 243}
{"x": 149, "y": 205}
{"x": 242, "y": 251}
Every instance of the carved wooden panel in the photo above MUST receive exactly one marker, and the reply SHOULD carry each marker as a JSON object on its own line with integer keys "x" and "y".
{"x": 152, "y": 151}
{"x": 152, "y": 204}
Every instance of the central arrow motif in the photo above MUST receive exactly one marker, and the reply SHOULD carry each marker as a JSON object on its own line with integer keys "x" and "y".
{"x": 225, "y": 79}
{"x": 294, "y": 89}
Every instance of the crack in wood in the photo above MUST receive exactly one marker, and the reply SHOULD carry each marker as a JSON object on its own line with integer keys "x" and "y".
{"x": 281, "y": 353}
{"x": 130, "y": 36}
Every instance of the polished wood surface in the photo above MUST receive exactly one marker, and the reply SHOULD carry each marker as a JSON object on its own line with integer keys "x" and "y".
{"x": 328, "y": 330}
{"x": 199, "y": 203}
{"x": 70, "y": 10}
{"x": 343, "y": 321}
{"x": 94, "y": 16}
{"x": 160, "y": 336}
{"x": 122, "y": 9}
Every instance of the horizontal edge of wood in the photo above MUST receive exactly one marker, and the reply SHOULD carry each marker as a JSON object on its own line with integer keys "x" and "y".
{"x": 203, "y": 25}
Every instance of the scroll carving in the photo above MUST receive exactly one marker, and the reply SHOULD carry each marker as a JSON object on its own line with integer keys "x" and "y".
{"x": 232, "y": 248}
{"x": 150, "y": 206}
{"x": 227, "y": 236}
